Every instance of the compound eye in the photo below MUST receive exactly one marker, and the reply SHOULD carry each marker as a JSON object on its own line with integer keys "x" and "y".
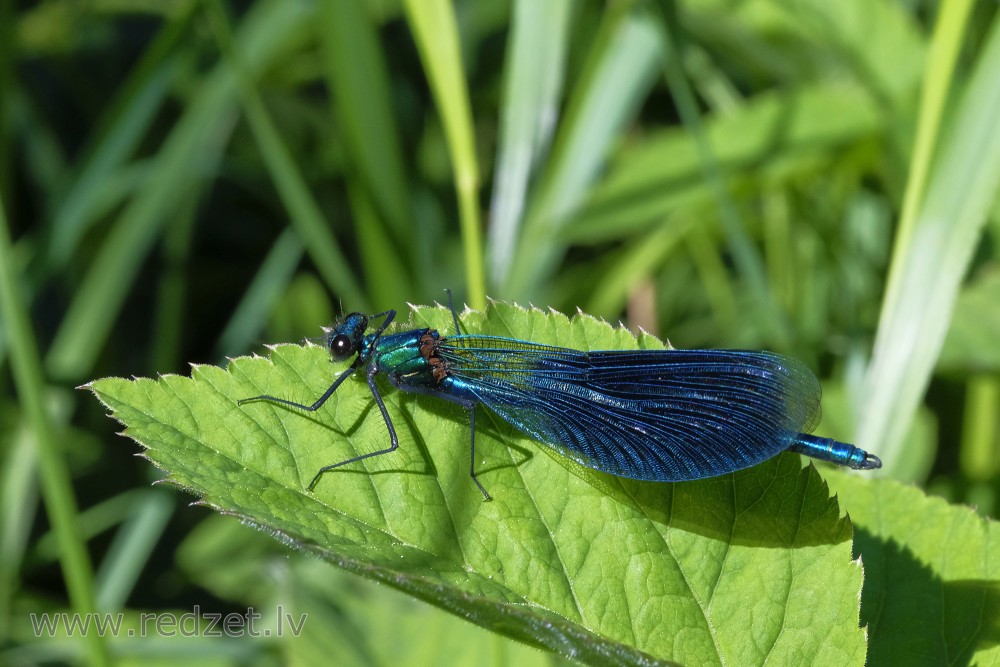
{"x": 341, "y": 346}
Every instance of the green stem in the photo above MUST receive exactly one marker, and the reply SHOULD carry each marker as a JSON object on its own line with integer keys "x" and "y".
{"x": 56, "y": 487}
{"x": 436, "y": 34}
{"x": 306, "y": 216}
{"x": 947, "y": 43}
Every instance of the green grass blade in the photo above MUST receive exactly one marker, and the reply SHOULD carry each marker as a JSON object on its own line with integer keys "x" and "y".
{"x": 528, "y": 114}
{"x": 194, "y": 139}
{"x": 57, "y": 490}
{"x": 436, "y": 34}
{"x": 635, "y": 263}
{"x": 115, "y": 139}
{"x": 8, "y": 42}
{"x": 18, "y": 507}
{"x": 932, "y": 259}
{"x": 378, "y": 192}
{"x": 769, "y": 135}
{"x": 45, "y": 159}
{"x": 262, "y": 295}
{"x": 620, "y": 71}
{"x": 172, "y": 289}
{"x": 305, "y": 213}
{"x": 970, "y": 346}
{"x": 945, "y": 48}
{"x": 980, "y": 429}
{"x": 131, "y": 548}
{"x": 387, "y": 276}
{"x": 358, "y": 76}
{"x": 747, "y": 259}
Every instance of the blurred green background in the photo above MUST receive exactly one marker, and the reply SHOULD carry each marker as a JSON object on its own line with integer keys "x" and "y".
{"x": 186, "y": 181}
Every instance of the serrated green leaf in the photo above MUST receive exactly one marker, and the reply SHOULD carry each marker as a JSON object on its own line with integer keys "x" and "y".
{"x": 350, "y": 621}
{"x": 744, "y": 569}
{"x": 931, "y": 595}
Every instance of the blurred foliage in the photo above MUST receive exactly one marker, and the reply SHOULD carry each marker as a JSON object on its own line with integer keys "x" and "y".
{"x": 185, "y": 181}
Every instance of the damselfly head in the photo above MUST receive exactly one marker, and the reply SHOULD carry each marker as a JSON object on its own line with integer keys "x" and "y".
{"x": 344, "y": 339}
{"x": 341, "y": 346}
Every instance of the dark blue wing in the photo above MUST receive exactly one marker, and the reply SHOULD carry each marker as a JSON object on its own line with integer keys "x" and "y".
{"x": 666, "y": 415}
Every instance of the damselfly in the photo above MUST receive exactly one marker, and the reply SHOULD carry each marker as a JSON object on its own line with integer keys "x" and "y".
{"x": 660, "y": 415}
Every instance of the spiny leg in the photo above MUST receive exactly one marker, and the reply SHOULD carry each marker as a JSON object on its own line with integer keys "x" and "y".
{"x": 393, "y": 439}
{"x": 454, "y": 316}
{"x": 389, "y": 315}
{"x": 358, "y": 360}
{"x": 310, "y": 408}
{"x": 471, "y": 409}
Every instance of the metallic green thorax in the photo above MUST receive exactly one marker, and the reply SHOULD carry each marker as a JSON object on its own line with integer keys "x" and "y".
{"x": 406, "y": 357}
